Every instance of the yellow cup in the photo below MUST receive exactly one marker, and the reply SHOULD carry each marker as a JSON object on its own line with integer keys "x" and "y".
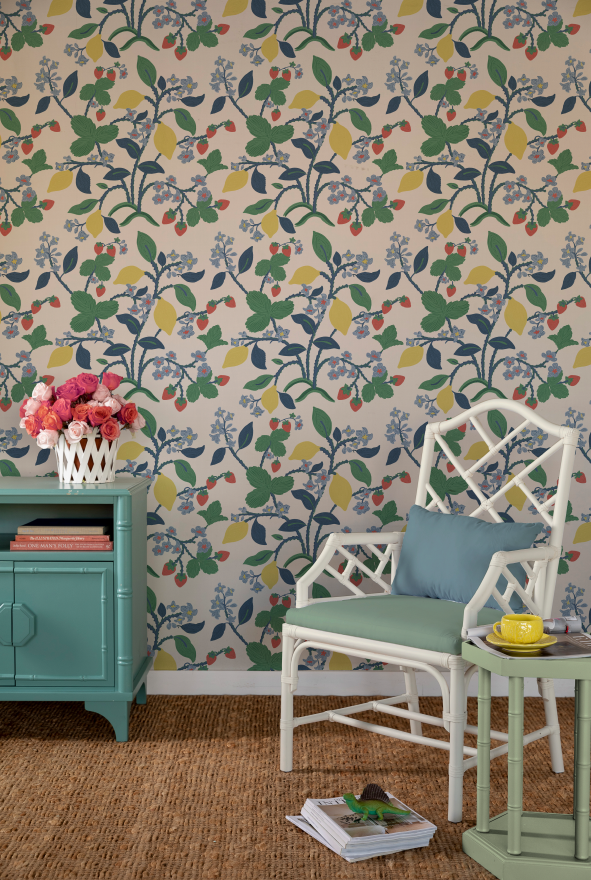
{"x": 523, "y": 629}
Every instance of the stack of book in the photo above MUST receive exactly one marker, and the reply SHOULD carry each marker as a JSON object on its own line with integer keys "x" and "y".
{"x": 62, "y": 535}
{"x": 348, "y": 834}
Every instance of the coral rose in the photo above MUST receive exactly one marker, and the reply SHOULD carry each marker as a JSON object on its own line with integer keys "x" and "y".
{"x": 110, "y": 429}
{"x": 138, "y": 423}
{"x": 101, "y": 393}
{"x": 63, "y": 409}
{"x": 47, "y": 439}
{"x": 41, "y": 391}
{"x": 99, "y": 414}
{"x": 80, "y": 412}
{"x": 75, "y": 431}
{"x": 52, "y": 422}
{"x": 70, "y": 390}
{"x": 128, "y": 413}
{"x": 88, "y": 381}
{"x": 111, "y": 380}
{"x": 31, "y": 406}
{"x": 42, "y": 411}
{"x": 32, "y": 425}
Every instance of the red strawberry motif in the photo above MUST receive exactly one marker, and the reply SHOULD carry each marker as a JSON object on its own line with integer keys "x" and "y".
{"x": 355, "y": 227}
{"x": 356, "y": 403}
{"x": 378, "y": 323}
{"x": 405, "y": 302}
{"x": 286, "y": 425}
{"x": 462, "y": 75}
{"x": 532, "y": 403}
{"x": 112, "y": 75}
{"x": 386, "y": 482}
{"x": 356, "y": 578}
{"x": 36, "y": 131}
{"x": 111, "y": 250}
{"x": 397, "y": 29}
{"x": 275, "y": 641}
{"x": 275, "y": 114}
{"x": 462, "y": 250}
{"x": 561, "y": 307}
{"x": 449, "y": 72}
{"x": 180, "y": 579}
{"x": 580, "y": 477}
{"x": 451, "y": 290}
{"x": 580, "y": 126}
{"x": 553, "y": 323}
{"x": 168, "y": 217}
{"x": 180, "y": 403}
{"x": 222, "y": 380}
{"x": 168, "y": 567}
{"x": 100, "y": 114}
{"x": 168, "y": 41}
{"x": 275, "y": 466}
{"x": 100, "y": 290}
{"x": 180, "y": 228}
{"x": 275, "y": 290}
{"x": 54, "y": 302}
{"x": 46, "y": 204}
{"x": 344, "y": 42}
{"x": 98, "y": 248}
{"x": 222, "y": 29}
{"x": 356, "y": 52}
{"x": 377, "y": 146}
{"x": 405, "y": 126}
{"x": 286, "y": 74}
{"x": 211, "y": 658}
{"x": 397, "y": 204}
{"x": 581, "y": 302}
{"x": 344, "y": 393}
{"x": 573, "y": 29}
{"x": 519, "y": 392}
{"x": 519, "y": 41}
{"x": 210, "y": 131}
{"x": 274, "y": 424}
{"x": 202, "y": 147}
{"x": 572, "y": 204}
{"x": 377, "y": 498}
{"x": 344, "y": 217}
{"x": 202, "y": 498}
{"x": 286, "y": 601}
{"x": 286, "y": 250}
{"x": 230, "y": 302}
{"x": 451, "y": 114}
{"x": 274, "y": 247}
{"x": 386, "y": 131}
{"x": 211, "y": 307}
{"x": 274, "y": 72}
{"x": 5, "y": 404}
{"x": 230, "y": 126}
{"x": 531, "y": 53}
{"x": 222, "y": 555}
{"x": 573, "y": 380}
{"x": 531, "y": 228}
{"x": 27, "y": 322}
{"x": 231, "y": 654}
{"x": 27, "y": 147}
{"x": 202, "y": 323}
{"x": 449, "y": 248}
{"x": 398, "y": 380}
{"x": 561, "y": 130}
{"x": 36, "y": 307}
{"x": 230, "y": 478}
{"x": 386, "y": 306}
{"x": 5, "y": 228}
{"x": 180, "y": 52}
{"x": 5, "y": 53}
{"x": 552, "y": 147}
{"x": 168, "y": 393}
{"x": 48, "y": 28}
{"x": 462, "y": 428}
{"x": 450, "y": 467}
{"x": 98, "y": 72}
{"x": 405, "y": 477}
{"x": 572, "y": 555}
{"x": 519, "y": 217}
{"x": 210, "y": 482}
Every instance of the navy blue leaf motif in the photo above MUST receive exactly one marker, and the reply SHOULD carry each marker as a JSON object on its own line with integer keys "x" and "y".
{"x": 42, "y": 456}
{"x": 245, "y": 260}
{"x": 368, "y": 277}
{"x": 258, "y": 357}
{"x": 193, "y": 453}
{"x": 83, "y": 357}
{"x": 393, "y": 280}
{"x": 393, "y": 456}
{"x": 218, "y": 456}
{"x": 218, "y": 280}
{"x": 368, "y": 451}
{"x": 245, "y": 436}
{"x": 258, "y": 533}
{"x": 258, "y": 181}
{"x": 287, "y": 225}
{"x": 434, "y": 358}
{"x": 218, "y": 104}
{"x": 393, "y": 104}
{"x": 286, "y": 400}
{"x": 111, "y": 224}
{"x": 218, "y": 631}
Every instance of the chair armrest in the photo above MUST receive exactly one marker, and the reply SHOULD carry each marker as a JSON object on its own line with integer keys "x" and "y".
{"x": 487, "y": 586}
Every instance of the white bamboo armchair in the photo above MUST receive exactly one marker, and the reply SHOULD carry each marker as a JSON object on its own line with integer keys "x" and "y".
{"x": 537, "y": 596}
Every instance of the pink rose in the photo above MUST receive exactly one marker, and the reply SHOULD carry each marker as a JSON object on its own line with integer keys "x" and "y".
{"x": 113, "y": 403}
{"x": 138, "y": 424}
{"x": 80, "y": 412}
{"x": 128, "y": 413}
{"x": 110, "y": 430}
{"x": 32, "y": 425}
{"x": 99, "y": 414}
{"x": 63, "y": 409}
{"x": 41, "y": 391}
{"x": 47, "y": 439}
{"x": 31, "y": 406}
{"x": 119, "y": 399}
{"x": 70, "y": 390}
{"x": 75, "y": 431}
{"x": 101, "y": 393}
{"x": 88, "y": 381}
{"x": 52, "y": 422}
{"x": 111, "y": 380}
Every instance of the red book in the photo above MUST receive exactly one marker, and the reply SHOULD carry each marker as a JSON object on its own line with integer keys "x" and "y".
{"x": 77, "y": 546}
{"x": 60, "y": 539}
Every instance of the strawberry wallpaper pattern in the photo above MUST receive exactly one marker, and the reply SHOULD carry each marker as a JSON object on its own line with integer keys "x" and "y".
{"x": 299, "y": 232}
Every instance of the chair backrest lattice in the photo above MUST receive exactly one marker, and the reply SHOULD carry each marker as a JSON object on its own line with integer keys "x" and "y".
{"x": 539, "y": 592}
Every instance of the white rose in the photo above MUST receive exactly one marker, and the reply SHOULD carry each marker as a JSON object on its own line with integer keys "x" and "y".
{"x": 31, "y": 406}
{"x": 113, "y": 403}
{"x": 101, "y": 393}
{"x": 47, "y": 439}
{"x": 41, "y": 391}
{"x": 75, "y": 431}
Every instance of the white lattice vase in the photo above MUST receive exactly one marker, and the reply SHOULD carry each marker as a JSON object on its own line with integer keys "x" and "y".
{"x": 91, "y": 460}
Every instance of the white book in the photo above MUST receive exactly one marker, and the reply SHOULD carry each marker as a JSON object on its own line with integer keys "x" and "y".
{"x": 302, "y": 823}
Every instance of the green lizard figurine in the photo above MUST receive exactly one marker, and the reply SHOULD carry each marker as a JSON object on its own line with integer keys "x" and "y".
{"x": 373, "y": 803}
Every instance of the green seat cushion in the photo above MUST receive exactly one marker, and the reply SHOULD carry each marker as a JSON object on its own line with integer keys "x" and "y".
{"x": 415, "y": 621}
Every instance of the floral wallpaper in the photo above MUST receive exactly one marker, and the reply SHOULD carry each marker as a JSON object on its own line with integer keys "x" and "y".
{"x": 299, "y": 232}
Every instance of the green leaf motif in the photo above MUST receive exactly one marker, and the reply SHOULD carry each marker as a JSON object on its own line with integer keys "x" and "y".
{"x": 388, "y": 162}
{"x": 497, "y": 71}
{"x": 322, "y": 422}
{"x": 497, "y": 247}
{"x": 322, "y": 246}
{"x": 360, "y": 119}
{"x": 322, "y": 71}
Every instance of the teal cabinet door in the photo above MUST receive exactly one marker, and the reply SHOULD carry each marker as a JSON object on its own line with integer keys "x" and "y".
{"x": 6, "y": 649}
{"x": 62, "y": 624}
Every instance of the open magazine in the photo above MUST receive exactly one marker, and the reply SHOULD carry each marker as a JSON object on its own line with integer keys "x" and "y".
{"x": 569, "y": 646}
{"x": 347, "y": 833}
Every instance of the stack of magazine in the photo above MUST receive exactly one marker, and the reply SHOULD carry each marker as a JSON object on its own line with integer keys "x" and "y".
{"x": 348, "y": 834}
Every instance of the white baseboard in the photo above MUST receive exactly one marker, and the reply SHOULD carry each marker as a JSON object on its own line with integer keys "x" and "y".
{"x": 322, "y": 683}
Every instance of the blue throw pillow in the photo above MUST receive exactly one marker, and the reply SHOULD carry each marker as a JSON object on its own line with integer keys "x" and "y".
{"x": 446, "y": 556}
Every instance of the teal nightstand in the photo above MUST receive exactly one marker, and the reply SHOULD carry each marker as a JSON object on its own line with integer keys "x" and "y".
{"x": 73, "y": 625}
{"x": 518, "y": 845}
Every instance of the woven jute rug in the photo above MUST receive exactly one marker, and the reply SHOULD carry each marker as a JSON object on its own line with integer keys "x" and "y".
{"x": 197, "y": 791}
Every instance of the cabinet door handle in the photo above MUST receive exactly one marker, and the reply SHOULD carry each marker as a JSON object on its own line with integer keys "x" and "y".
{"x": 23, "y": 625}
{"x": 6, "y": 623}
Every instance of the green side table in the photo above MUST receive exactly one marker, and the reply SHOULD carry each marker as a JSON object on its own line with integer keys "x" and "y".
{"x": 517, "y": 845}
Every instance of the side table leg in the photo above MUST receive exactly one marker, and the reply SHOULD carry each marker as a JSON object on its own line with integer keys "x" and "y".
{"x": 515, "y": 787}
{"x": 575, "y": 750}
{"x": 483, "y": 759}
{"x": 583, "y": 770}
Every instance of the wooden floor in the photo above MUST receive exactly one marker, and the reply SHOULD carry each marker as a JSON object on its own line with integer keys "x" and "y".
{"x": 197, "y": 792}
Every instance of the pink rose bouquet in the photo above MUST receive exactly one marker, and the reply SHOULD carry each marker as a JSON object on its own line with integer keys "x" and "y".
{"x": 74, "y": 409}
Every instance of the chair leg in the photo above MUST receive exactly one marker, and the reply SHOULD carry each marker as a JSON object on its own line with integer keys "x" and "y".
{"x": 286, "y": 752}
{"x": 456, "y": 738}
{"x": 546, "y": 691}
{"x": 410, "y": 684}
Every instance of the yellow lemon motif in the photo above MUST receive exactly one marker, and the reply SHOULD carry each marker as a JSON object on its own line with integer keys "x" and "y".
{"x": 340, "y": 140}
{"x": 445, "y": 224}
{"x": 235, "y": 532}
{"x": 129, "y": 275}
{"x": 479, "y": 100}
{"x": 165, "y": 140}
{"x": 130, "y": 450}
{"x": 304, "y": 100}
{"x": 410, "y": 180}
{"x": 94, "y": 47}
{"x": 235, "y": 180}
{"x": 236, "y": 356}
{"x": 165, "y": 316}
{"x": 515, "y": 316}
{"x": 165, "y": 491}
{"x": 304, "y": 451}
{"x": 94, "y": 224}
{"x": 340, "y": 316}
{"x": 479, "y": 275}
{"x": 445, "y": 47}
{"x": 60, "y": 180}
{"x": 128, "y": 100}
{"x": 516, "y": 140}
{"x": 270, "y": 399}
{"x": 60, "y": 356}
{"x": 410, "y": 356}
{"x": 270, "y": 48}
{"x": 305, "y": 275}
{"x": 270, "y": 224}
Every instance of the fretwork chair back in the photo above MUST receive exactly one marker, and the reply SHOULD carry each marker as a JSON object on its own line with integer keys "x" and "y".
{"x": 346, "y": 624}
